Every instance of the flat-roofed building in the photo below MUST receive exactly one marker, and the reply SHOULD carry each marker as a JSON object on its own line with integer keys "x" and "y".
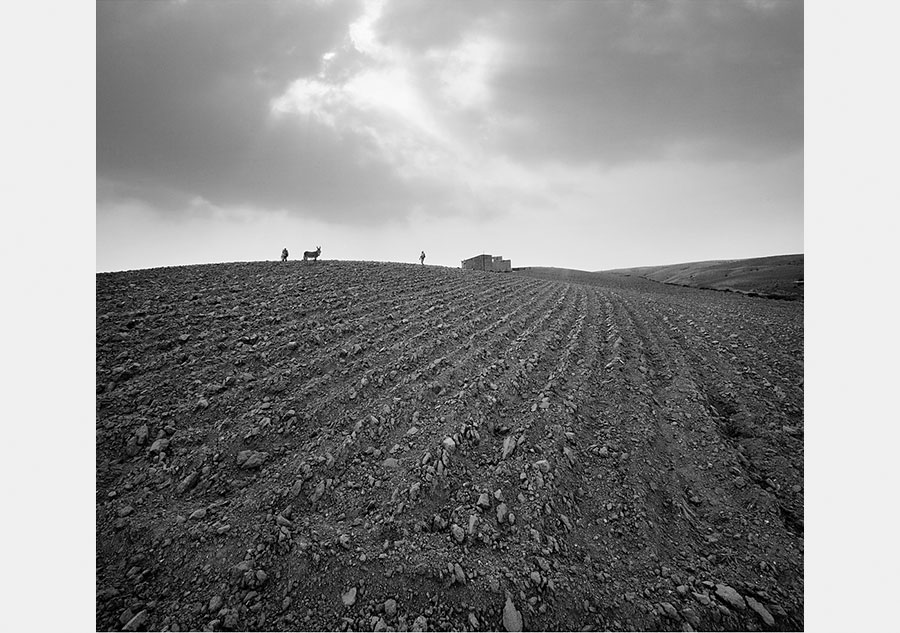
{"x": 491, "y": 263}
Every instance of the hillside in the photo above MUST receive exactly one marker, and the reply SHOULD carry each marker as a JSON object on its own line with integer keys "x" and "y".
{"x": 774, "y": 277}
{"x": 376, "y": 446}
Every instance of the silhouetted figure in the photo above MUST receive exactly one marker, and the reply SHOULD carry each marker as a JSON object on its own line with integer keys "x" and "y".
{"x": 312, "y": 254}
{"x": 422, "y": 258}
{"x": 284, "y": 254}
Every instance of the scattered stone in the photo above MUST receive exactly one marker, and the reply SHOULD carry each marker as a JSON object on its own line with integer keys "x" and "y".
{"x": 448, "y": 444}
{"x": 159, "y": 446}
{"x": 691, "y": 616}
{"x": 127, "y": 614}
{"x": 512, "y": 619}
{"x": 390, "y": 607}
{"x": 141, "y": 435}
{"x": 125, "y": 511}
{"x": 251, "y": 459}
{"x": 484, "y": 501}
{"x": 502, "y": 511}
{"x": 761, "y": 611}
{"x": 669, "y": 610}
{"x": 420, "y": 624}
{"x": 458, "y": 533}
{"x": 390, "y": 462}
{"x": 188, "y": 482}
{"x": 731, "y": 596}
{"x": 543, "y": 465}
{"x": 318, "y": 492}
{"x": 349, "y": 598}
{"x": 132, "y": 448}
{"x": 198, "y": 514}
{"x": 215, "y": 603}
{"x": 136, "y": 622}
{"x": 458, "y": 573}
{"x": 509, "y": 445}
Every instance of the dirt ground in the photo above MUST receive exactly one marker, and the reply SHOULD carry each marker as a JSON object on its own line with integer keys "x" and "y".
{"x": 373, "y": 446}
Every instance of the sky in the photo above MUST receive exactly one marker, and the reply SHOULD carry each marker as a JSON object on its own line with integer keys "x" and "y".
{"x": 588, "y": 135}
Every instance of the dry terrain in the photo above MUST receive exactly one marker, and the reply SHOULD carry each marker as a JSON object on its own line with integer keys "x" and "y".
{"x": 778, "y": 277}
{"x": 376, "y": 446}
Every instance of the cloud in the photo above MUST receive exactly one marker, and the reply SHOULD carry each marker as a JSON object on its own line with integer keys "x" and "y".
{"x": 370, "y": 112}
{"x": 624, "y": 81}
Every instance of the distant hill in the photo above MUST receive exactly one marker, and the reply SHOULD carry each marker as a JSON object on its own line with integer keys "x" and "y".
{"x": 780, "y": 276}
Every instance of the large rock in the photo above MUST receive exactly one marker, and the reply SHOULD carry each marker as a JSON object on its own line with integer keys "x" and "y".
{"x": 761, "y": 611}
{"x": 349, "y": 598}
{"x": 136, "y": 622}
{"x": 512, "y": 619}
{"x": 159, "y": 445}
{"x": 251, "y": 459}
{"x": 188, "y": 482}
{"x": 198, "y": 514}
{"x": 732, "y": 597}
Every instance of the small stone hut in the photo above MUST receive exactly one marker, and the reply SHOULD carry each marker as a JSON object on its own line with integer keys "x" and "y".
{"x": 491, "y": 263}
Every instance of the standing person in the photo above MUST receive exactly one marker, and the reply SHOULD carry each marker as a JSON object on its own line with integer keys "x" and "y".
{"x": 284, "y": 254}
{"x": 422, "y": 258}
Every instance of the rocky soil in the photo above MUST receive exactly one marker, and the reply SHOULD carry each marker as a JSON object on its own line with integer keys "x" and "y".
{"x": 367, "y": 446}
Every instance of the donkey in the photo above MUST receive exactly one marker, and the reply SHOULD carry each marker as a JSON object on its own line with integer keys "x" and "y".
{"x": 313, "y": 255}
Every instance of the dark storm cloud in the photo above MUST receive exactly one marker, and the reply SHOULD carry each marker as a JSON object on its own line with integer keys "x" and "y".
{"x": 624, "y": 81}
{"x": 615, "y": 82}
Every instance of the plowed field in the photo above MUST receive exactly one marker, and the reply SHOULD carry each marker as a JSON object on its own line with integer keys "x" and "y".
{"x": 350, "y": 445}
